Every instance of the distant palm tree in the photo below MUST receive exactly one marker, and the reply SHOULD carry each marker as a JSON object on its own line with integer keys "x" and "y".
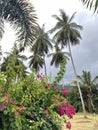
{"x": 36, "y": 62}
{"x": 16, "y": 60}
{"x": 91, "y": 4}
{"x": 67, "y": 34}
{"x": 87, "y": 82}
{"x": 42, "y": 44}
{"x": 57, "y": 56}
{"x": 20, "y": 14}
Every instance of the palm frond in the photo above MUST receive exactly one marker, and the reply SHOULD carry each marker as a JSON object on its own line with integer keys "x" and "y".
{"x": 95, "y": 79}
{"x": 72, "y": 17}
{"x": 63, "y": 15}
{"x": 21, "y": 14}
{"x": 91, "y": 4}
{"x": 1, "y": 27}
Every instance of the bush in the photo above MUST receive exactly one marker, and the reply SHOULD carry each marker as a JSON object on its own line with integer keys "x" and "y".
{"x": 33, "y": 104}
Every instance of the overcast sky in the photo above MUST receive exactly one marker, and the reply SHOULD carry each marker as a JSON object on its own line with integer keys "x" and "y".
{"x": 86, "y": 54}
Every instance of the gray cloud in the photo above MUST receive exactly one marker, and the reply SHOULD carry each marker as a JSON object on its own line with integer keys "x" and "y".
{"x": 85, "y": 55}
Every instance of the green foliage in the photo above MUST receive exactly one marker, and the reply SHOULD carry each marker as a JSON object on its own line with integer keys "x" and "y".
{"x": 75, "y": 98}
{"x": 29, "y": 104}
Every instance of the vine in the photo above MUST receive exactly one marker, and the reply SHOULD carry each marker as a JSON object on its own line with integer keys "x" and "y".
{"x": 61, "y": 72}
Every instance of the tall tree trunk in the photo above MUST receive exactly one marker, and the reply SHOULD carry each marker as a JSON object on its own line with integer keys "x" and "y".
{"x": 75, "y": 73}
{"x": 45, "y": 66}
{"x": 89, "y": 105}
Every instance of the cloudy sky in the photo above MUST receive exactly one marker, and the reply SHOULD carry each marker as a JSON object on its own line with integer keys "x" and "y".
{"x": 86, "y": 54}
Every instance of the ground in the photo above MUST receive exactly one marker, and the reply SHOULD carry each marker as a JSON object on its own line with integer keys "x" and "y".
{"x": 79, "y": 123}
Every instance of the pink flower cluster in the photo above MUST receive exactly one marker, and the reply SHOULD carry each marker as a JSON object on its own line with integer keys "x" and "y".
{"x": 46, "y": 112}
{"x": 21, "y": 109}
{"x": 40, "y": 76}
{"x": 56, "y": 89}
{"x": 65, "y": 91}
{"x": 2, "y": 105}
{"x": 48, "y": 85}
{"x": 6, "y": 97}
{"x": 5, "y": 103}
{"x": 67, "y": 109}
{"x": 68, "y": 125}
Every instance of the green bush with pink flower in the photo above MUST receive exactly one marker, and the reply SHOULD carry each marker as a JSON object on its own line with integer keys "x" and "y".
{"x": 33, "y": 104}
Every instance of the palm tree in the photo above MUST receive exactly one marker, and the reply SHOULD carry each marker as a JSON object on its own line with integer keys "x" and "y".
{"x": 57, "y": 56}
{"x": 87, "y": 82}
{"x": 91, "y": 4}
{"x": 67, "y": 34}
{"x": 42, "y": 44}
{"x": 21, "y": 15}
{"x": 36, "y": 62}
{"x": 14, "y": 60}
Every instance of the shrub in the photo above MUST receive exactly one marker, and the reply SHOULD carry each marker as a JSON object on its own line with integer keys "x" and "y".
{"x": 33, "y": 104}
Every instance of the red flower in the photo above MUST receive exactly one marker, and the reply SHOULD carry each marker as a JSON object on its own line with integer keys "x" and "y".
{"x": 7, "y": 97}
{"x": 56, "y": 89}
{"x": 46, "y": 112}
{"x": 5, "y": 103}
{"x": 3, "y": 89}
{"x": 68, "y": 125}
{"x": 14, "y": 102}
{"x": 21, "y": 106}
{"x": 17, "y": 113}
{"x": 70, "y": 111}
{"x": 62, "y": 110}
{"x": 48, "y": 85}
{"x": 40, "y": 76}
{"x": 64, "y": 91}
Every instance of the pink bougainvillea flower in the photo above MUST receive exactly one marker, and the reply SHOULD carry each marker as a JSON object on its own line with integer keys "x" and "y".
{"x": 70, "y": 111}
{"x": 22, "y": 111}
{"x": 5, "y": 103}
{"x": 64, "y": 91}
{"x": 40, "y": 76}
{"x": 56, "y": 89}
{"x": 68, "y": 125}
{"x": 16, "y": 113}
{"x": 14, "y": 102}
{"x": 46, "y": 112}
{"x": 21, "y": 106}
{"x": 62, "y": 110}
{"x": 64, "y": 102}
{"x": 7, "y": 97}
{"x": 3, "y": 89}
{"x": 48, "y": 85}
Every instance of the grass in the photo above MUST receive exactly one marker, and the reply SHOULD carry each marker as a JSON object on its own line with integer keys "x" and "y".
{"x": 80, "y": 123}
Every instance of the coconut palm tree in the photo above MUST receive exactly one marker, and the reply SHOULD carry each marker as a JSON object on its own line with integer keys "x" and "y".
{"x": 67, "y": 34}
{"x": 14, "y": 60}
{"x": 57, "y": 56}
{"x": 21, "y": 15}
{"x": 42, "y": 44}
{"x": 87, "y": 82}
{"x": 36, "y": 62}
{"x": 91, "y": 4}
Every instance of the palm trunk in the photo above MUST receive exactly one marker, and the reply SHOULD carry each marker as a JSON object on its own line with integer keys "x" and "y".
{"x": 45, "y": 67}
{"x": 75, "y": 73}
